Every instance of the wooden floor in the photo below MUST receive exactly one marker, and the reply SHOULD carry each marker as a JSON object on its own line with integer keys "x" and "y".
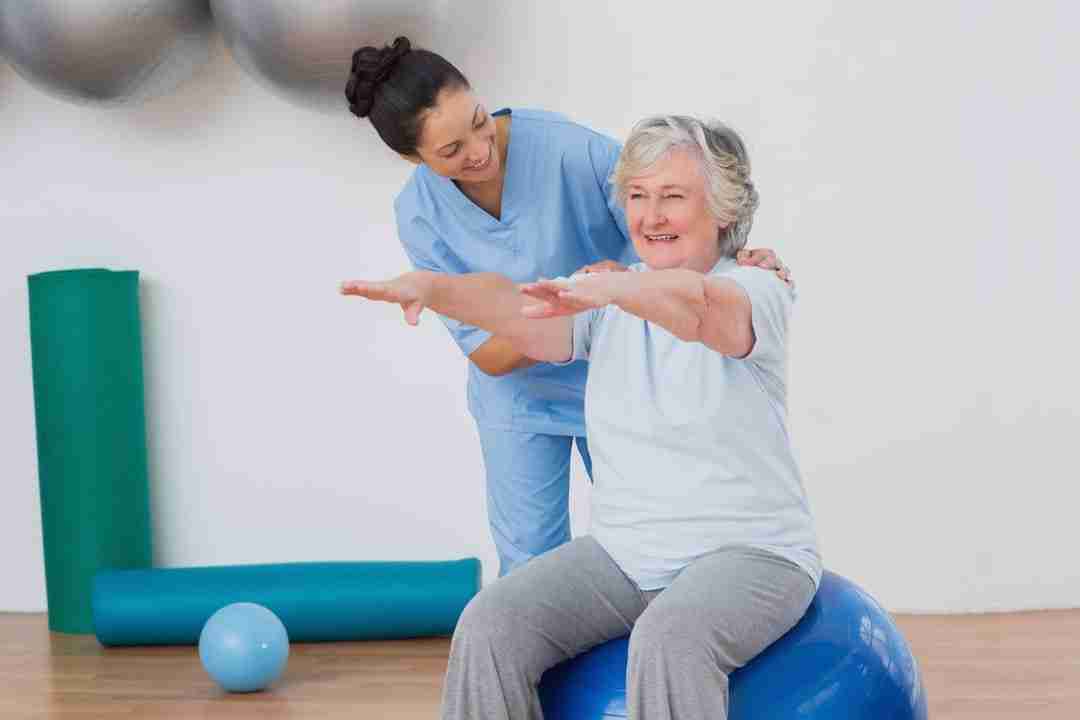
{"x": 990, "y": 667}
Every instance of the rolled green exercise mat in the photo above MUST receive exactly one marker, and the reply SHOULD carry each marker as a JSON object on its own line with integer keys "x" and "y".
{"x": 86, "y": 352}
{"x": 316, "y": 601}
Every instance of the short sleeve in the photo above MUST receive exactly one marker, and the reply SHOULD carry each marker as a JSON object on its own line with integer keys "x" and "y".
{"x": 419, "y": 240}
{"x": 582, "y": 333}
{"x": 771, "y": 302}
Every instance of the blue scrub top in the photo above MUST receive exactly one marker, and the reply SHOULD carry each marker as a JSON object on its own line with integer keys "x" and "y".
{"x": 559, "y": 213}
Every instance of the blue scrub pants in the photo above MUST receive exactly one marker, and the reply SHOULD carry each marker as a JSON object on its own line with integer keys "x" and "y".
{"x": 528, "y": 492}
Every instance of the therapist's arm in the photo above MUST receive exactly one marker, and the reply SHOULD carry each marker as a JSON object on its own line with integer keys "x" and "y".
{"x": 488, "y": 301}
{"x": 690, "y": 305}
{"x": 497, "y": 356}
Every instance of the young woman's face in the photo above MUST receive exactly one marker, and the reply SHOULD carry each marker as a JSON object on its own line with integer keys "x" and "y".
{"x": 669, "y": 218}
{"x": 457, "y": 139}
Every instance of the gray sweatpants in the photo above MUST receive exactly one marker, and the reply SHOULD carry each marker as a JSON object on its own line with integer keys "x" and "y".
{"x": 685, "y": 640}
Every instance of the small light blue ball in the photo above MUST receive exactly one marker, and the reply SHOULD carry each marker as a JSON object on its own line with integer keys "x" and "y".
{"x": 244, "y": 647}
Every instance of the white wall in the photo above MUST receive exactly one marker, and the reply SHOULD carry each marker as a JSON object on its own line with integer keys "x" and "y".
{"x": 917, "y": 170}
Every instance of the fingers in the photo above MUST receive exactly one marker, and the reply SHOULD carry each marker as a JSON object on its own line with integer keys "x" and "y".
{"x": 542, "y": 294}
{"x": 360, "y": 288}
{"x": 369, "y": 290}
{"x": 412, "y": 312}
{"x": 766, "y": 259}
{"x": 546, "y": 290}
{"x": 759, "y": 257}
{"x": 380, "y": 291}
{"x": 602, "y": 266}
{"x": 575, "y": 302}
{"x": 555, "y": 304}
{"x": 536, "y": 290}
{"x": 538, "y": 311}
{"x": 564, "y": 294}
{"x": 385, "y": 292}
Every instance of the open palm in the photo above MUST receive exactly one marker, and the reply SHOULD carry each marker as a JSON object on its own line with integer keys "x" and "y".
{"x": 403, "y": 290}
{"x": 561, "y": 296}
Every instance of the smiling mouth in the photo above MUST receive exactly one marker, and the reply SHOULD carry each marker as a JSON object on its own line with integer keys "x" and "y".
{"x": 487, "y": 161}
{"x": 662, "y": 238}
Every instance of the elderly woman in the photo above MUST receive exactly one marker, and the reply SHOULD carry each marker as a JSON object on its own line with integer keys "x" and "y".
{"x": 702, "y": 544}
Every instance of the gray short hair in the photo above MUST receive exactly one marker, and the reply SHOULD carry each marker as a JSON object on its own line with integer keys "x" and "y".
{"x": 731, "y": 196}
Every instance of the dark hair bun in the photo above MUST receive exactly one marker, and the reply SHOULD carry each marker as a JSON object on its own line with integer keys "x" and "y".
{"x": 370, "y": 66}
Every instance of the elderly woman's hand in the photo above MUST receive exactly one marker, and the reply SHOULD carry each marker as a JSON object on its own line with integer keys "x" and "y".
{"x": 602, "y": 266}
{"x": 569, "y": 296}
{"x": 767, "y": 260}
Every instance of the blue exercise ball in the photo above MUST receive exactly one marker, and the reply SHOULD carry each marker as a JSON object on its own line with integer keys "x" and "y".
{"x": 845, "y": 660}
{"x": 244, "y": 647}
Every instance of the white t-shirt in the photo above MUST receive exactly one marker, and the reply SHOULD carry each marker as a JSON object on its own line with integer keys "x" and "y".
{"x": 690, "y": 449}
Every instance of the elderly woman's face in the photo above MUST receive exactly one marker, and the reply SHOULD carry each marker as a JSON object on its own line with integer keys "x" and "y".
{"x": 669, "y": 218}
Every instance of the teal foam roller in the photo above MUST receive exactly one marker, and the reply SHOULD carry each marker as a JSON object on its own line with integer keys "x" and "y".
{"x": 317, "y": 602}
{"x": 86, "y": 345}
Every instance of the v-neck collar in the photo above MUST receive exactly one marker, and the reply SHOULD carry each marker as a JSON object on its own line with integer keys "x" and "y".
{"x": 479, "y": 217}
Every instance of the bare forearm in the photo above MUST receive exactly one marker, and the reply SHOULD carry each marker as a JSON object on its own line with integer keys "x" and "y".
{"x": 672, "y": 299}
{"x": 492, "y": 302}
{"x": 486, "y": 300}
{"x": 715, "y": 312}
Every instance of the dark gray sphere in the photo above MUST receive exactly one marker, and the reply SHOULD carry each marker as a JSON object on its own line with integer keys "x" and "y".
{"x": 301, "y": 50}
{"x": 106, "y": 51}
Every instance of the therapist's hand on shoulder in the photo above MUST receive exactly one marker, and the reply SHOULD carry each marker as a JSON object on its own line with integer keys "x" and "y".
{"x": 765, "y": 259}
{"x": 569, "y": 296}
{"x": 410, "y": 291}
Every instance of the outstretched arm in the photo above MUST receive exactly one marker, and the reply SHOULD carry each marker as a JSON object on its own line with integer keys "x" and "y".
{"x": 485, "y": 300}
{"x": 694, "y": 307}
